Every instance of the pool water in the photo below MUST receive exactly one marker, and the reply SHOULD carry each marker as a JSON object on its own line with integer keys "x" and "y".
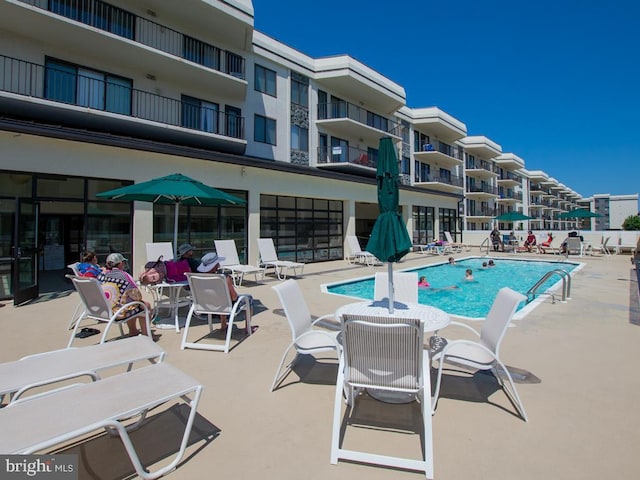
{"x": 471, "y": 299}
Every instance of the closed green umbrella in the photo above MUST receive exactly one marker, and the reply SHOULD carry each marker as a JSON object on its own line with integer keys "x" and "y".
{"x": 512, "y": 217}
{"x": 173, "y": 189}
{"x": 389, "y": 239}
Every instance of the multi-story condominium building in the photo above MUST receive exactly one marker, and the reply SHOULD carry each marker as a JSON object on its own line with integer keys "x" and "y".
{"x": 614, "y": 210}
{"x": 95, "y": 95}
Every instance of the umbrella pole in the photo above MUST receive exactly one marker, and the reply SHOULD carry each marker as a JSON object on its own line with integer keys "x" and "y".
{"x": 390, "y": 277}
{"x": 175, "y": 231}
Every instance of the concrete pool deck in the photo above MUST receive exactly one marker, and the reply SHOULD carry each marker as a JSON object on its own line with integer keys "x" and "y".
{"x": 579, "y": 383}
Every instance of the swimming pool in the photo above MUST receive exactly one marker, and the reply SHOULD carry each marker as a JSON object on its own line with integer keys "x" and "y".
{"x": 470, "y": 299}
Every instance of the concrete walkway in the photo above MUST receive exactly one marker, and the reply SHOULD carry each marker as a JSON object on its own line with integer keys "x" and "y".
{"x": 580, "y": 386}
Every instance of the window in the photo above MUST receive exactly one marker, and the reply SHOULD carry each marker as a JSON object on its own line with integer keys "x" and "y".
{"x": 265, "y": 81}
{"x": 299, "y": 89}
{"x": 235, "y": 125}
{"x": 322, "y": 105}
{"x": 339, "y": 150}
{"x": 76, "y": 85}
{"x": 377, "y": 121}
{"x": 420, "y": 142}
{"x": 264, "y": 130}
{"x": 299, "y": 138}
{"x": 423, "y": 225}
{"x": 199, "y": 115}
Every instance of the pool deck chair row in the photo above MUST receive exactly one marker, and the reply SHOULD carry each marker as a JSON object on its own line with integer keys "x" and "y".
{"x": 42, "y": 421}
{"x": 269, "y": 259}
{"x": 227, "y": 249}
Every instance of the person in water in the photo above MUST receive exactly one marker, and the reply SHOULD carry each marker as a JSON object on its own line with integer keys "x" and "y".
{"x": 422, "y": 282}
{"x": 468, "y": 275}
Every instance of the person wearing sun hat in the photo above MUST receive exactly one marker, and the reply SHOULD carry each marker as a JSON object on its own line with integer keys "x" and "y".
{"x": 120, "y": 288}
{"x": 210, "y": 263}
{"x": 185, "y": 252}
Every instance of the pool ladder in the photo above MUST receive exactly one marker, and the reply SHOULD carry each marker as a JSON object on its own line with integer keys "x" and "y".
{"x": 566, "y": 286}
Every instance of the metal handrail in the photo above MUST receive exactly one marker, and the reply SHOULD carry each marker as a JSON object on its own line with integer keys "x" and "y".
{"x": 566, "y": 285}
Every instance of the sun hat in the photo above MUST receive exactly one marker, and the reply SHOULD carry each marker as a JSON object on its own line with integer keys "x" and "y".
{"x": 209, "y": 262}
{"x": 114, "y": 259}
{"x": 184, "y": 248}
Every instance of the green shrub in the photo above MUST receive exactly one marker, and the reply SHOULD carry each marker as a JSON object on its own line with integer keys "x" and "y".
{"x": 632, "y": 222}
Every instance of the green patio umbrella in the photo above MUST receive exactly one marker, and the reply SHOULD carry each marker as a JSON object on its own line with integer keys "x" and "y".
{"x": 389, "y": 239}
{"x": 578, "y": 213}
{"x": 175, "y": 189}
{"x": 512, "y": 217}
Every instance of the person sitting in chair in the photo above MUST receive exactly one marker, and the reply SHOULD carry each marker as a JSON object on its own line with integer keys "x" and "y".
{"x": 531, "y": 241}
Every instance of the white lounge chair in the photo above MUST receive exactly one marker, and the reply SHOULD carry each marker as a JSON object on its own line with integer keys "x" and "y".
{"x": 97, "y": 308}
{"x": 358, "y": 255}
{"x": 304, "y": 338}
{"x": 269, "y": 259}
{"x": 627, "y": 240}
{"x": 405, "y": 286}
{"x": 40, "y": 422}
{"x": 382, "y": 353}
{"x": 603, "y": 248}
{"x": 231, "y": 263}
{"x": 210, "y": 294}
{"x": 457, "y": 247}
{"x": 484, "y": 353}
{"x": 58, "y": 365}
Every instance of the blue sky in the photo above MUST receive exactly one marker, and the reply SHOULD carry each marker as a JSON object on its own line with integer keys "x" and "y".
{"x": 554, "y": 81}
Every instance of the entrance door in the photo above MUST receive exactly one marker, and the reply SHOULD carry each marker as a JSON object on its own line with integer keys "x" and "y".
{"x": 24, "y": 251}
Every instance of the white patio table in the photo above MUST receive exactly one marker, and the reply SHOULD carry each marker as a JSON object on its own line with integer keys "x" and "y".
{"x": 169, "y": 296}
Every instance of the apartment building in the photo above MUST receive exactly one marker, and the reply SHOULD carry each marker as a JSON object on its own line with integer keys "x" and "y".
{"x": 613, "y": 211}
{"x": 95, "y": 95}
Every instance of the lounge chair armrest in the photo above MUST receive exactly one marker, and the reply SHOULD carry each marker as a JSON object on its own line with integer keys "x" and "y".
{"x": 17, "y": 396}
{"x": 332, "y": 338}
{"x": 333, "y": 325}
{"x": 465, "y": 326}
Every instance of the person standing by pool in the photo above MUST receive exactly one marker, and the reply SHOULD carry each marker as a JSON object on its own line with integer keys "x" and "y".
{"x": 496, "y": 241}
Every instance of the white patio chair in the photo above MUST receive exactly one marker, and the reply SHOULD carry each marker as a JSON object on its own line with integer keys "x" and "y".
{"x": 382, "y": 353}
{"x": 231, "y": 263}
{"x": 358, "y": 255}
{"x": 57, "y": 365}
{"x": 304, "y": 338}
{"x": 405, "y": 286}
{"x": 210, "y": 296}
{"x": 159, "y": 249}
{"x": 602, "y": 248}
{"x": 484, "y": 353}
{"x": 70, "y": 413}
{"x": 269, "y": 259}
{"x": 97, "y": 308}
{"x": 457, "y": 247}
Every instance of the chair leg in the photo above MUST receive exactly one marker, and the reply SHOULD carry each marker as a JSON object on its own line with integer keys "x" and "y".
{"x": 436, "y": 393}
{"x": 513, "y": 394}
{"x": 187, "y": 324}
{"x": 279, "y": 376}
{"x": 337, "y": 414}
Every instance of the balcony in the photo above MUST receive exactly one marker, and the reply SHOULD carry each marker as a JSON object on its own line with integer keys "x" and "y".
{"x": 441, "y": 183}
{"x": 37, "y": 92}
{"x": 132, "y": 42}
{"x": 440, "y": 154}
{"x": 351, "y": 160}
{"x": 481, "y": 192}
{"x": 509, "y": 179}
{"x": 480, "y": 169}
{"x": 481, "y": 212}
{"x": 508, "y": 196}
{"x": 348, "y": 121}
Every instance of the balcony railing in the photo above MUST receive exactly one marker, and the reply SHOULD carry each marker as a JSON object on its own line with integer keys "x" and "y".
{"x": 125, "y": 24}
{"x": 444, "y": 148}
{"x": 38, "y": 81}
{"x": 340, "y": 110}
{"x": 510, "y": 176}
{"x": 352, "y": 155}
{"x": 454, "y": 180}
{"x": 481, "y": 212}
{"x": 511, "y": 195}
{"x": 482, "y": 189}
{"x": 475, "y": 164}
